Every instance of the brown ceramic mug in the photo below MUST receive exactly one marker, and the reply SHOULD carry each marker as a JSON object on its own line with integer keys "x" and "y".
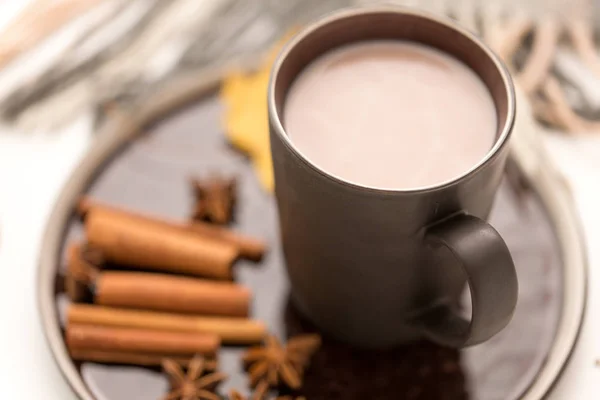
{"x": 381, "y": 267}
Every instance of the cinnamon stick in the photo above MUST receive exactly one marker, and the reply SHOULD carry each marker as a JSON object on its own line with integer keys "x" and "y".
{"x": 79, "y": 273}
{"x": 129, "y": 358}
{"x": 140, "y": 243}
{"x": 248, "y": 247}
{"x": 161, "y": 292}
{"x": 229, "y": 330}
{"x": 111, "y": 339}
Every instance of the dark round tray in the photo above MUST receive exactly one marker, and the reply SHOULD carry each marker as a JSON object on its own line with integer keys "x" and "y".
{"x": 181, "y": 137}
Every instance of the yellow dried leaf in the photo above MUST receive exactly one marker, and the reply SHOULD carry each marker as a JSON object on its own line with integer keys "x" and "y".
{"x": 246, "y": 123}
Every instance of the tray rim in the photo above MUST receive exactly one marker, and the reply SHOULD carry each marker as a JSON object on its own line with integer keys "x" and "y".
{"x": 120, "y": 129}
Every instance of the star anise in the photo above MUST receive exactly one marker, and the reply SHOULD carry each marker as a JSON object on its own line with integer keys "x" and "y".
{"x": 259, "y": 392}
{"x": 281, "y": 364}
{"x": 192, "y": 386}
{"x": 215, "y": 199}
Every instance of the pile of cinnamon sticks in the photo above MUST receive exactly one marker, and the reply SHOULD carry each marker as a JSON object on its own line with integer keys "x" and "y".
{"x": 144, "y": 289}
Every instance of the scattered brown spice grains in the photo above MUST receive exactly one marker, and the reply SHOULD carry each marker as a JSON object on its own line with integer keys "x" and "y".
{"x": 342, "y": 371}
{"x": 215, "y": 199}
{"x": 277, "y": 364}
{"x": 193, "y": 385}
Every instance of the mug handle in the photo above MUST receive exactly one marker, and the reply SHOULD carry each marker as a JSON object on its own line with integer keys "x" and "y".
{"x": 491, "y": 276}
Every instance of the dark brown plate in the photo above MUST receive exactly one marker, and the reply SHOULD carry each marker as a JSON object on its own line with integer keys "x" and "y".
{"x": 150, "y": 173}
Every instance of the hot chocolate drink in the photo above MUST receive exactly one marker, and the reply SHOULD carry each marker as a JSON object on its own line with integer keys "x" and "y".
{"x": 391, "y": 115}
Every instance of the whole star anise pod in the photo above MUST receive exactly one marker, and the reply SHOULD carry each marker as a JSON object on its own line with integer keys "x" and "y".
{"x": 215, "y": 199}
{"x": 277, "y": 364}
{"x": 193, "y": 385}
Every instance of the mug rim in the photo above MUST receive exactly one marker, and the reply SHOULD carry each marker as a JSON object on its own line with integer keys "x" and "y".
{"x": 499, "y": 144}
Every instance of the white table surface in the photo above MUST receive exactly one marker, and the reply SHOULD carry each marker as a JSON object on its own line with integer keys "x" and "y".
{"x": 33, "y": 169}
